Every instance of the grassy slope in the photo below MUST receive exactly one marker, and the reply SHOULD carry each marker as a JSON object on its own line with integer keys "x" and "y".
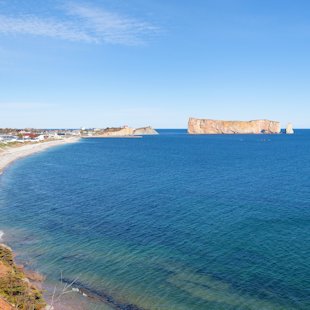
{"x": 14, "y": 286}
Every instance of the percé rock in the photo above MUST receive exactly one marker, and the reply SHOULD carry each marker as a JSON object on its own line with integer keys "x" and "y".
{"x": 209, "y": 126}
{"x": 289, "y": 129}
{"x": 145, "y": 131}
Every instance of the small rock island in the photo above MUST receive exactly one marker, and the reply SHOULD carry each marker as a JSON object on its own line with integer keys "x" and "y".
{"x": 209, "y": 126}
{"x": 289, "y": 129}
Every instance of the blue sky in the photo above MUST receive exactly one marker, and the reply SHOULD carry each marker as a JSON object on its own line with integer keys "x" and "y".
{"x": 101, "y": 63}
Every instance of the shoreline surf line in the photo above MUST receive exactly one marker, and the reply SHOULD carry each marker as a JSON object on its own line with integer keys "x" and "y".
{"x": 11, "y": 154}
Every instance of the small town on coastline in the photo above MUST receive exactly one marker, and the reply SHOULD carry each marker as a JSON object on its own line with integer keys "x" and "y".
{"x": 10, "y": 135}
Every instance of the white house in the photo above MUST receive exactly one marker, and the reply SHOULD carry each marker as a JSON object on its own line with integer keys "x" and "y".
{"x": 40, "y": 138}
{"x": 8, "y": 138}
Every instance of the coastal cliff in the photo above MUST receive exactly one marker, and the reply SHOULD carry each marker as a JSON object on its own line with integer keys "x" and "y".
{"x": 209, "y": 126}
{"x": 123, "y": 131}
{"x": 16, "y": 290}
{"x": 117, "y": 131}
{"x": 145, "y": 131}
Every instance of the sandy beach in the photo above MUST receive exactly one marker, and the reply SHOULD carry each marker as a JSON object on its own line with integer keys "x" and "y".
{"x": 12, "y": 153}
{"x": 9, "y": 154}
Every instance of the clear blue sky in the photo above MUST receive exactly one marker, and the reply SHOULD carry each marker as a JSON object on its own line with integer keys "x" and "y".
{"x": 101, "y": 63}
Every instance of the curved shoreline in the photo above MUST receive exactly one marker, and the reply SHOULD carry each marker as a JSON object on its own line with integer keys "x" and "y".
{"x": 12, "y": 153}
{"x": 8, "y": 155}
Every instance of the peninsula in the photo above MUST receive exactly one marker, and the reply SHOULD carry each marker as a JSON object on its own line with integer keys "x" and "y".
{"x": 209, "y": 126}
{"x": 117, "y": 132}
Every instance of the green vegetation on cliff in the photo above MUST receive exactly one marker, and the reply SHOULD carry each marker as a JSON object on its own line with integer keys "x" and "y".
{"x": 15, "y": 287}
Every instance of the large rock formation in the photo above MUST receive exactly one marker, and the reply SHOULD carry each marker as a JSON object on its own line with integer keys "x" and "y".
{"x": 117, "y": 132}
{"x": 209, "y": 126}
{"x": 289, "y": 129}
{"x": 145, "y": 131}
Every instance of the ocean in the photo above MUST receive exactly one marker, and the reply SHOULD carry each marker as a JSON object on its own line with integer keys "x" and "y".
{"x": 167, "y": 222}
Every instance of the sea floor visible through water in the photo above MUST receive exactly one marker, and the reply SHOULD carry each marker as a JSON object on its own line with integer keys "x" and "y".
{"x": 166, "y": 222}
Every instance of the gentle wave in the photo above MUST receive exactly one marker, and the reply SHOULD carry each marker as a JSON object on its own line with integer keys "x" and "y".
{"x": 1, "y": 235}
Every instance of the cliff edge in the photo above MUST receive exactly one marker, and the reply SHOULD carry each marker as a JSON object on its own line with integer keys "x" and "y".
{"x": 16, "y": 291}
{"x": 209, "y": 126}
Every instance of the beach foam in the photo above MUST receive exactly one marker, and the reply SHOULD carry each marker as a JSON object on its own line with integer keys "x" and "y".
{"x": 1, "y": 234}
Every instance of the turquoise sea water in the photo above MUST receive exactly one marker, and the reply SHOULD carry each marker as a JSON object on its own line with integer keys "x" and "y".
{"x": 168, "y": 222}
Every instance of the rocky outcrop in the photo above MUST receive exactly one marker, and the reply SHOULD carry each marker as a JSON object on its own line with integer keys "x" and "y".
{"x": 117, "y": 132}
{"x": 145, "y": 131}
{"x": 123, "y": 131}
{"x": 209, "y": 126}
{"x": 289, "y": 129}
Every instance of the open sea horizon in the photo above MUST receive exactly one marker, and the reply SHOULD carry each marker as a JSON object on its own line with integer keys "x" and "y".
{"x": 167, "y": 222}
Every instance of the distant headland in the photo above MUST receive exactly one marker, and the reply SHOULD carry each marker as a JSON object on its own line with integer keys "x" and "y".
{"x": 123, "y": 131}
{"x": 209, "y": 126}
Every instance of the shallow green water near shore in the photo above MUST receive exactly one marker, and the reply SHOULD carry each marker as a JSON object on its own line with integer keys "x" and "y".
{"x": 168, "y": 222}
